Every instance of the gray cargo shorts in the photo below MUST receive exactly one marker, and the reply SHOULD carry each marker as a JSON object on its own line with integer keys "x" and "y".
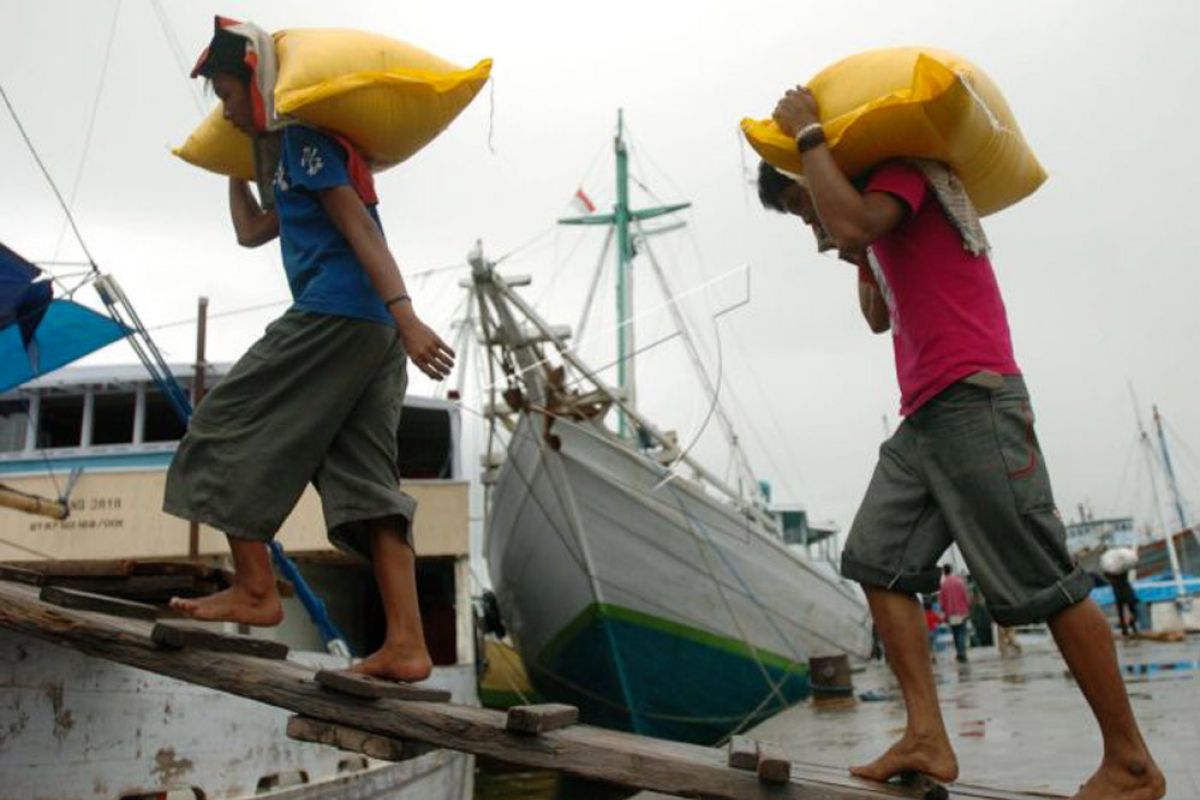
{"x": 966, "y": 468}
{"x": 316, "y": 399}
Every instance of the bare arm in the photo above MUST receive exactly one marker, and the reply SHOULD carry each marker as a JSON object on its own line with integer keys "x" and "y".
{"x": 254, "y": 227}
{"x": 854, "y": 220}
{"x": 874, "y": 309}
{"x": 348, "y": 214}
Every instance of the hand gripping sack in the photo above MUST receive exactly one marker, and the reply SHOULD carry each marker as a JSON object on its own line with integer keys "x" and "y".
{"x": 914, "y": 102}
{"x": 387, "y": 97}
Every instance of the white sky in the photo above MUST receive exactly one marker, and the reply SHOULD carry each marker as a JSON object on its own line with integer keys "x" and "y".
{"x": 1096, "y": 268}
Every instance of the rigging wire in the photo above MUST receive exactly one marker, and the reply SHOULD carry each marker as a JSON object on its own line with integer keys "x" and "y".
{"x": 53, "y": 186}
{"x": 91, "y": 127}
{"x": 173, "y": 44}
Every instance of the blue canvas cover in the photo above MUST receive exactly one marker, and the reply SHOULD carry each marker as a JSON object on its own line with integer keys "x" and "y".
{"x": 39, "y": 334}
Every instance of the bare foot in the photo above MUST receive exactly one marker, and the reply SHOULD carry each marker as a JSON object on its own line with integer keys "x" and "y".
{"x": 932, "y": 757}
{"x": 406, "y": 665}
{"x": 235, "y": 604}
{"x": 1136, "y": 780}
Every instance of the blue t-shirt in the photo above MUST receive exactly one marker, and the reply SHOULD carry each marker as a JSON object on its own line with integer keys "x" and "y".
{"x": 324, "y": 274}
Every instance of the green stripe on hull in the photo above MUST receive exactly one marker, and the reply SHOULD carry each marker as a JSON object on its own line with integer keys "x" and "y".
{"x": 633, "y": 671}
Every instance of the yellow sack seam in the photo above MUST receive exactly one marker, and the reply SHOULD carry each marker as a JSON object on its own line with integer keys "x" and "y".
{"x": 441, "y": 82}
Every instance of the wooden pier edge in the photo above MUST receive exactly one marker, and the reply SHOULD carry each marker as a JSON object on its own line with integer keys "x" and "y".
{"x": 593, "y": 753}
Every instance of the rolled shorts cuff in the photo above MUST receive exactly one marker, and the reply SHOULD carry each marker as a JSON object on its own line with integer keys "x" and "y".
{"x": 228, "y": 527}
{"x": 348, "y": 530}
{"x": 1072, "y": 588}
{"x": 924, "y": 582}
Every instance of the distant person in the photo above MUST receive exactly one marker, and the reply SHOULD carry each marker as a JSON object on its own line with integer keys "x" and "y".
{"x": 932, "y": 621}
{"x": 981, "y": 617}
{"x": 318, "y": 398}
{"x": 1127, "y": 603}
{"x": 965, "y": 465}
{"x": 1006, "y": 641}
{"x": 956, "y": 605}
{"x": 1116, "y": 563}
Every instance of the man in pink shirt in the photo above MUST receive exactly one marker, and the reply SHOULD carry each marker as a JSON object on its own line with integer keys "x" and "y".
{"x": 956, "y": 605}
{"x": 965, "y": 465}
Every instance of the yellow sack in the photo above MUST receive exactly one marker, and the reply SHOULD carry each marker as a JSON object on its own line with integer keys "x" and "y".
{"x": 387, "y": 97}
{"x": 920, "y": 103}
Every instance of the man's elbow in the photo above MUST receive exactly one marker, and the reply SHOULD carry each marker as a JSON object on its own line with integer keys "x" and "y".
{"x": 850, "y": 237}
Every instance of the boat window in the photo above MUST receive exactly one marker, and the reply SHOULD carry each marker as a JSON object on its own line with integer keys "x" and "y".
{"x": 60, "y": 421}
{"x": 162, "y": 424}
{"x": 425, "y": 445}
{"x": 14, "y": 420}
{"x": 112, "y": 418}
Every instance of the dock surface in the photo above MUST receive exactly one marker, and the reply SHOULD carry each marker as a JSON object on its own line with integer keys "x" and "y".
{"x": 1020, "y": 723}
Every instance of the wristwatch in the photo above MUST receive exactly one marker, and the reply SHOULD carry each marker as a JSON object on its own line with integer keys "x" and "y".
{"x": 810, "y": 136}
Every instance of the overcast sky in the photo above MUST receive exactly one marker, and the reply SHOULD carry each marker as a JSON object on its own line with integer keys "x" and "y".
{"x": 1097, "y": 268}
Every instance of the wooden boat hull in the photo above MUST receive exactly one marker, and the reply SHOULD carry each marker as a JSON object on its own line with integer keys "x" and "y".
{"x": 650, "y": 605}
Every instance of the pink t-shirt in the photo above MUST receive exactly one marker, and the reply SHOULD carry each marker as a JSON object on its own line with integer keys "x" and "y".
{"x": 953, "y": 597}
{"x": 948, "y": 319}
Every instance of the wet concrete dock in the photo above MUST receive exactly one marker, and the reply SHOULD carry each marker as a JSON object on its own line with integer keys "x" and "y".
{"x": 1017, "y": 723}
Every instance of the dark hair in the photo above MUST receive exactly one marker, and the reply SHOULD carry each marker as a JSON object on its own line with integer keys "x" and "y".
{"x": 947, "y": 569}
{"x": 771, "y": 185}
{"x": 226, "y": 54}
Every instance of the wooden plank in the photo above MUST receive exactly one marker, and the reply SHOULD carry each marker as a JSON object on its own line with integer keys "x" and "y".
{"x": 353, "y": 683}
{"x": 179, "y": 635}
{"x": 773, "y": 766}
{"x": 540, "y": 718}
{"x": 138, "y": 587}
{"x": 743, "y": 753}
{"x": 384, "y": 748}
{"x": 595, "y": 754}
{"x": 108, "y": 568}
{"x": 86, "y": 601}
{"x": 8, "y": 572}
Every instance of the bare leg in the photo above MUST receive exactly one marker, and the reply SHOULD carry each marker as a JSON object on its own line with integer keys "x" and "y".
{"x": 403, "y": 656}
{"x": 251, "y": 600}
{"x": 925, "y": 747}
{"x": 1127, "y": 771}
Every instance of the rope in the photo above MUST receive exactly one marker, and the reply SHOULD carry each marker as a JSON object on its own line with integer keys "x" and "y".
{"x": 66, "y": 209}
{"x": 87, "y": 140}
{"x": 164, "y": 22}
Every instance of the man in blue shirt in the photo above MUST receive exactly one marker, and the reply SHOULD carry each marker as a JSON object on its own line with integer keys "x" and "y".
{"x": 318, "y": 398}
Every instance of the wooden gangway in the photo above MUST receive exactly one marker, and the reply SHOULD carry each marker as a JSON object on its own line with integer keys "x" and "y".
{"x": 391, "y": 728}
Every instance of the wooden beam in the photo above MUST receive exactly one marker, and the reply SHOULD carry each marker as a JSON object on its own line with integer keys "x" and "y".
{"x": 86, "y": 601}
{"x": 177, "y": 635}
{"x": 8, "y": 572}
{"x": 773, "y": 766}
{"x": 591, "y": 753}
{"x": 358, "y": 685}
{"x": 540, "y": 718}
{"x": 743, "y": 753}
{"x": 384, "y": 748}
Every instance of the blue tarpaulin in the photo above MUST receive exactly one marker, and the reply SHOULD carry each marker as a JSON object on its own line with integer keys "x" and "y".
{"x": 39, "y": 334}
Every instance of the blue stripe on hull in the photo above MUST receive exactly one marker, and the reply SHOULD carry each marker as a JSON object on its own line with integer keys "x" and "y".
{"x": 678, "y": 688}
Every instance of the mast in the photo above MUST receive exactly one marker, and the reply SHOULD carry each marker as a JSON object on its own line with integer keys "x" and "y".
{"x": 1172, "y": 483}
{"x": 1148, "y": 451}
{"x": 619, "y": 220}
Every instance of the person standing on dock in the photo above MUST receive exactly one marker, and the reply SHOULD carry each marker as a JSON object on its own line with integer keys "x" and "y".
{"x": 956, "y": 605}
{"x": 964, "y": 467}
{"x": 318, "y": 397}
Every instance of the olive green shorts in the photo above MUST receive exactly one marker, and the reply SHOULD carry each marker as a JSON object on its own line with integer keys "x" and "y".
{"x": 316, "y": 399}
{"x": 966, "y": 468}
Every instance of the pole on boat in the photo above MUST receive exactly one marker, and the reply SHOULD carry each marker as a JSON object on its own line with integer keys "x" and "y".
{"x": 620, "y": 219}
{"x": 197, "y": 396}
{"x": 32, "y": 504}
{"x": 1172, "y": 484}
{"x": 1148, "y": 451}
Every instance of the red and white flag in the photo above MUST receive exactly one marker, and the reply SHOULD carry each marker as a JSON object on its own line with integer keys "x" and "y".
{"x": 582, "y": 203}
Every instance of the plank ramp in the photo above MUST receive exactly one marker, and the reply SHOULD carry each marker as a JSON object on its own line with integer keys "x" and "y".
{"x": 593, "y": 753}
